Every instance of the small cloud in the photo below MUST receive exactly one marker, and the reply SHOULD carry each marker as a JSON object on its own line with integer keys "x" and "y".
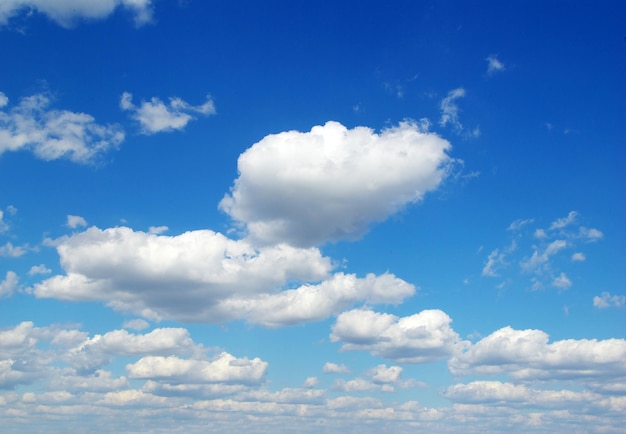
{"x": 608, "y": 300}
{"x": 565, "y": 221}
{"x": 540, "y": 234}
{"x": 11, "y": 251}
{"x": 39, "y": 269}
{"x": 590, "y": 234}
{"x": 3, "y": 100}
{"x": 494, "y": 259}
{"x": 519, "y": 224}
{"x": 75, "y": 221}
{"x": 155, "y": 116}
{"x": 9, "y": 284}
{"x": 562, "y": 282}
{"x": 578, "y": 257}
{"x": 334, "y": 368}
{"x": 11, "y": 210}
{"x": 311, "y": 382}
{"x": 494, "y": 65}
{"x": 450, "y": 109}
{"x": 156, "y": 230}
{"x": 136, "y": 324}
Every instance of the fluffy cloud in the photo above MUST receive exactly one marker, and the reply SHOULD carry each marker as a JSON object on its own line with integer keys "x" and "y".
{"x": 54, "y": 134}
{"x": 607, "y": 300}
{"x": 9, "y": 284}
{"x": 224, "y": 368}
{"x": 494, "y": 65}
{"x": 203, "y": 276}
{"x": 331, "y": 183}
{"x": 38, "y": 269}
{"x": 450, "y": 109}
{"x": 67, "y": 12}
{"x": 75, "y": 221}
{"x": 423, "y": 337}
{"x": 527, "y": 355}
{"x": 154, "y": 116}
{"x": 334, "y": 368}
{"x": 10, "y": 251}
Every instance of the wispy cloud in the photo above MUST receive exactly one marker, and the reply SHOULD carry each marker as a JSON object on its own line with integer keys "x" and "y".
{"x": 53, "y": 134}
{"x": 155, "y": 116}
{"x": 450, "y": 109}
{"x": 68, "y": 13}
{"x": 494, "y": 65}
{"x": 607, "y": 300}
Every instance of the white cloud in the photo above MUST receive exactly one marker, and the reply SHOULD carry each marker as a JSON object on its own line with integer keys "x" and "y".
{"x": 565, "y": 221}
{"x": 450, "y": 109}
{"x": 590, "y": 235}
{"x": 539, "y": 260}
{"x": 578, "y": 257}
{"x": 608, "y": 300}
{"x": 154, "y": 116}
{"x": 527, "y": 355}
{"x": 561, "y": 281}
{"x": 3, "y": 100}
{"x": 494, "y": 259}
{"x": 3, "y": 225}
{"x": 67, "y": 12}
{"x": 331, "y": 183}
{"x": 423, "y": 337}
{"x": 54, "y": 134}
{"x": 382, "y": 374}
{"x": 202, "y": 276}
{"x": 311, "y": 382}
{"x": 38, "y": 269}
{"x": 157, "y": 230}
{"x": 334, "y": 368}
{"x": 519, "y": 224}
{"x": 136, "y": 324}
{"x": 223, "y": 369}
{"x": 74, "y": 221}
{"x": 9, "y": 284}
{"x": 494, "y": 65}
{"x": 10, "y": 251}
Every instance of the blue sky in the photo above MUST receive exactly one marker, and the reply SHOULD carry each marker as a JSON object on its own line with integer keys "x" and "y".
{"x": 320, "y": 217}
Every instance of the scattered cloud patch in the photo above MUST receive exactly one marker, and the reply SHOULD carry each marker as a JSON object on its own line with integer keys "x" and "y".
{"x": 334, "y": 368}
{"x": 607, "y": 300}
{"x": 74, "y": 221}
{"x": 8, "y": 250}
{"x": 561, "y": 281}
{"x": 332, "y": 183}
{"x": 136, "y": 324}
{"x": 55, "y": 134}
{"x": 68, "y": 13}
{"x": 155, "y": 116}
{"x": 9, "y": 284}
{"x": 157, "y": 230}
{"x": 450, "y": 109}
{"x": 494, "y": 65}
{"x": 420, "y": 338}
{"x": 39, "y": 269}
{"x": 578, "y": 257}
{"x": 519, "y": 224}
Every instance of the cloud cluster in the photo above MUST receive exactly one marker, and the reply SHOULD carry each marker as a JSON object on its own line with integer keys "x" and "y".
{"x": 494, "y": 65}
{"x": 53, "y": 134}
{"x": 543, "y": 259}
{"x": 155, "y": 116}
{"x": 203, "y": 276}
{"x": 67, "y": 13}
{"x": 420, "y": 338}
{"x": 527, "y": 355}
{"x": 332, "y": 183}
{"x": 607, "y": 300}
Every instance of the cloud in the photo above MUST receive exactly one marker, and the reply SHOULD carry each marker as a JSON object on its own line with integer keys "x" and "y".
{"x": 9, "y": 284}
{"x": 494, "y": 65}
{"x": 608, "y": 300}
{"x": 203, "y": 276}
{"x": 519, "y": 224}
{"x": 136, "y": 324}
{"x": 420, "y": 338}
{"x": 565, "y": 221}
{"x": 66, "y": 13}
{"x": 527, "y": 355}
{"x": 55, "y": 134}
{"x": 11, "y": 251}
{"x": 74, "y": 221}
{"x": 382, "y": 374}
{"x": 225, "y": 368}
{"x": 332, "y": 183}
{"x": 154, "y": 116}
{"x": 334, "y": 368}
{"x": 3, "y": 225}
{"x": 450, "y": 109}
{"x": 39, "y": 269}
{"x": 494, "y": 259}
{"x": 578, "y": 257}
{"x": 562, "y": 281}
{"x": 311, "y": 382}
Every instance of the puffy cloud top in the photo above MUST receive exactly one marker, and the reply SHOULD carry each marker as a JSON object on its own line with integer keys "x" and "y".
{"x": 332, "y": 182}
